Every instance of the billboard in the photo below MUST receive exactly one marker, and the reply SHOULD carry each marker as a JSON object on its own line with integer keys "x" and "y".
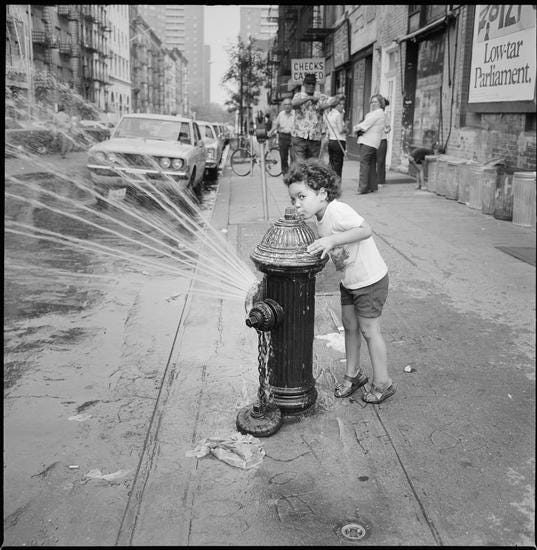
{"x": 503, "y": 65}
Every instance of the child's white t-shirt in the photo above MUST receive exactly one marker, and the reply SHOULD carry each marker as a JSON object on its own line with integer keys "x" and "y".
{"x": 360, "y": 261}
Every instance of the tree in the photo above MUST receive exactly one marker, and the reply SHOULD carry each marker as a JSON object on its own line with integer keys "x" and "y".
{"x": 212, "y": 112}
{"x": 247, "y": 74}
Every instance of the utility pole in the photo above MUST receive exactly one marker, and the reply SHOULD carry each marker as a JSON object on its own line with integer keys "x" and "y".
{"x": 240, "y": 94}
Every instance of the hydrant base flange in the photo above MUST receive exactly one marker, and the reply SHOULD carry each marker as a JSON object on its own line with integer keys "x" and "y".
{"x": 294, "y": 402}
{"x": 249, "y": 421}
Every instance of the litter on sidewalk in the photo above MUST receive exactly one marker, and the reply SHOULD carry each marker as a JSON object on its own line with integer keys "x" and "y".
{"x": 241, "y": 451}
{"x": 97, "y": 474}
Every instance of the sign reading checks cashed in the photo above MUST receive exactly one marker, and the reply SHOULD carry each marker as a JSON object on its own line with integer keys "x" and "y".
{"x": 503, "y": 54}
{"x": 299, "y": 67}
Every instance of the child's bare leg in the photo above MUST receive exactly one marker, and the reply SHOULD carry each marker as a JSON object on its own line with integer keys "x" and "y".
{"x": 370, "y": 328}
{"x": 353, "y": 341}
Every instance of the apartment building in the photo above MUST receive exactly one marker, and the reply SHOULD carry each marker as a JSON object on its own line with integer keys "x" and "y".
{"x": 119, "y": 101}
{"x": 184, "y": 30}
{"x": 259, "y": 22}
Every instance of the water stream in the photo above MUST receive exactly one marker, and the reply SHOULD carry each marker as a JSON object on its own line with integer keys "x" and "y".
{"x": 173, "y": 235}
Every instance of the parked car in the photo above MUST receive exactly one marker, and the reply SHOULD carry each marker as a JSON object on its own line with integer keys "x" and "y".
{"x": 167, "y": 150}
{"x": 213, "y": 145}
{"x": 221, "y": 135}
{"x": 227, "y": 134}
{"x": 93, "y": 130}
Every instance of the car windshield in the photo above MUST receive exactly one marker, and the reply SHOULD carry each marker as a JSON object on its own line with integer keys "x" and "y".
{"x": 153, "y": 128}
{"x": 209, "y": 132}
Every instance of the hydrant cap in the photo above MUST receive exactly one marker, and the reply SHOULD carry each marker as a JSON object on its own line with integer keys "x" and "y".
{"x": 284, "y": 245}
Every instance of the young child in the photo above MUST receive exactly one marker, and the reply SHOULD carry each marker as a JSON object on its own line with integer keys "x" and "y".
{"x": 314, "y": 189}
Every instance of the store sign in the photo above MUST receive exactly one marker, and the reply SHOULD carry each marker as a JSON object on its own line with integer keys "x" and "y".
{"x": 341, "y": 44}
{"x": 503, "y": 55}
{"x": 299, "y": 67}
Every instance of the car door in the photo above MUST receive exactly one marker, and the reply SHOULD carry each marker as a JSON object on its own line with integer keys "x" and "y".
{"x": 200, "y": 150}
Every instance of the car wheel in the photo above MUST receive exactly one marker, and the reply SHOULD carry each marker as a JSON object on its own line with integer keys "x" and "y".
{"x": 212, "y": 173}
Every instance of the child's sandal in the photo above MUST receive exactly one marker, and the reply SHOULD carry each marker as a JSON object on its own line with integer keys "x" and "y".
{"x": 356, "y": 382}
{"x": 377, "y": 395}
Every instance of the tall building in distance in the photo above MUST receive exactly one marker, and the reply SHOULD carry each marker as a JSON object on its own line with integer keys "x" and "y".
{"x": 181, "y": 26}
{"x": 260, "y": 22}
{"x": 155, "y": 17}
{"x": 185, "y": 31}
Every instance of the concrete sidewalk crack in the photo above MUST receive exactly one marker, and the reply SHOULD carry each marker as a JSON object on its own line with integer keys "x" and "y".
{"x": 428, "y": 520}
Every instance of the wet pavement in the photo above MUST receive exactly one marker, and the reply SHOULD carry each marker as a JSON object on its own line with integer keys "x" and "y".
{"x": 448, "y": 460}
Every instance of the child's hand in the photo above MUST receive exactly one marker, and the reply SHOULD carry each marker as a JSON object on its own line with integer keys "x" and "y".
{"x": 323, "y": 244}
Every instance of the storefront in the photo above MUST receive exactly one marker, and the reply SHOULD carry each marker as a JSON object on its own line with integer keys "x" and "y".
{"x": 423, "y": 90}
{"x": 360, "y": 72}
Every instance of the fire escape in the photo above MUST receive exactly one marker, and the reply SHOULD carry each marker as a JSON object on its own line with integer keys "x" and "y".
{"x": 301, "y": 33}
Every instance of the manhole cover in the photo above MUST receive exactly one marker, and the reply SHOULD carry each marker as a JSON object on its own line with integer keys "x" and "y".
{"x": 353, "y": 531}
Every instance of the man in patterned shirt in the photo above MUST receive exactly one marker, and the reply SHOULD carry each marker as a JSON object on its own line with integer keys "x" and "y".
{"x": 309, "y": 126}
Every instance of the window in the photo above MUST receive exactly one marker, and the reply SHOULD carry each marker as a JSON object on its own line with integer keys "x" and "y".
{"x": 530, "y": 124}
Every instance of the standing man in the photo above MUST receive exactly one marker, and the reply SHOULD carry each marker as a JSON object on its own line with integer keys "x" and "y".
{"x": 284, "y": 126}
{"x": 370, "y": 132}
{"x": 383, "y": 147}
{"x": 309, "y": 126}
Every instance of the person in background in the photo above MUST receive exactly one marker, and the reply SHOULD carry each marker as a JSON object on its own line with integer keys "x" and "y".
{"x": 268, "y": 126}
{"x": 383, "y": 147}
{"x": 370, "y": 132}
{"x": 308, "y": 128}
{"x": 347, "y": 238}
{"x": 283, "y": 126}
{"x": 415, "y": 160}
{"x": 337, "y": 136}
{"x": 62, "y": 126}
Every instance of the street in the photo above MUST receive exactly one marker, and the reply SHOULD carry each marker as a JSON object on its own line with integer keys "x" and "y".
{"x": 110, "y": 379}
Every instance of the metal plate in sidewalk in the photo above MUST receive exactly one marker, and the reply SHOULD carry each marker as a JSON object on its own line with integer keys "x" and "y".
{"x": 524, "y": 253}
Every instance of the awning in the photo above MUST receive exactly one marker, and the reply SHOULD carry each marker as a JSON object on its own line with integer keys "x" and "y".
{"x": 425, "y": 29}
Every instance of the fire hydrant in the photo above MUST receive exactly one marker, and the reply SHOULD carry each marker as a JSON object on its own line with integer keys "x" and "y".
{"x": 287, "y": 311}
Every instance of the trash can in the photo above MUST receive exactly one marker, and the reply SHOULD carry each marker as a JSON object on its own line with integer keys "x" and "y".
{"x": 524, "y": 199}
{"x": 475, "y": 187}
{"x": 441, "y": 175}
{"x": 463, "y": 194}
{"x": 488, "y": 186}
{"x": 431, "y": 169}
{"x": 503, "y": 200}
{"x": 452, "y": 180}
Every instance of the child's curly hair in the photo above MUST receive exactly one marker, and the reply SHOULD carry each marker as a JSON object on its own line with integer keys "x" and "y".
{"x": 315, "y": 174}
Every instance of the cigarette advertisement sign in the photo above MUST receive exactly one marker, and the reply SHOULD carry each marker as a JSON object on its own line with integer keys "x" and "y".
{"x": 299, "y": 67}
{"x": 503, "y": 65}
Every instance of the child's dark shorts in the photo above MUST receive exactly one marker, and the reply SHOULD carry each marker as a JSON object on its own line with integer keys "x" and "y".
{"x": 369, "y": 300}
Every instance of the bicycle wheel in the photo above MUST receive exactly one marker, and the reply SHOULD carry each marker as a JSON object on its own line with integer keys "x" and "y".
{"x": 273, "y": 164}
{"x": 241, "y": 162}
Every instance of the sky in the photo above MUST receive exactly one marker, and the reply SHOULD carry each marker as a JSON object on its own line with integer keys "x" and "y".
{"x": 222, "y": 24}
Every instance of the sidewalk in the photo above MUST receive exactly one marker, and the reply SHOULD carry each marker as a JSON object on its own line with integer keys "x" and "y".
{"x": 448, "y": 460}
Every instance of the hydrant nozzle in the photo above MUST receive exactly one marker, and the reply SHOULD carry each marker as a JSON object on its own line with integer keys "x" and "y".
{"x": 265, "y": 315}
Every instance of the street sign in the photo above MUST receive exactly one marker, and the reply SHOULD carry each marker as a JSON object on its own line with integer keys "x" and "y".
{"x": 299, "y": 67}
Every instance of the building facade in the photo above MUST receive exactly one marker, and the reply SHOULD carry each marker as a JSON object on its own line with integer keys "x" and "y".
{"x": 119, "y": 101}
{"x": 184, "y": 30}
{"x": 259, "y": 22}
{"x": 108, "y": 55}
{"x": 440, "y": 66}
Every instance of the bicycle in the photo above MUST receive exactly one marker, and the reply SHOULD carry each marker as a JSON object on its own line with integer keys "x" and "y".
{"x": 243, "y": 160}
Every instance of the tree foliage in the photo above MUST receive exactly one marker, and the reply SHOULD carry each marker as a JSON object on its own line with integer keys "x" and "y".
{"x": 246, "y": 75}
{"x": 213, "y": 112}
